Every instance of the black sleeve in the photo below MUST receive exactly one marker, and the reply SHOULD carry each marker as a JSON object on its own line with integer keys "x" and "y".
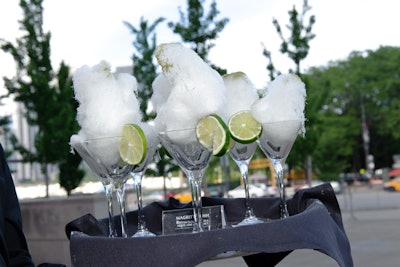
{"x": 13, "y": 247}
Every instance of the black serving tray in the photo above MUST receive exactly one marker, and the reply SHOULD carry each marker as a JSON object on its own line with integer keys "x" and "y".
{"x": 315, "y": 223}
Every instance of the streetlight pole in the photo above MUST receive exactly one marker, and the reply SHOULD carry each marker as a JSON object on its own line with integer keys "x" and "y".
{"x": 364, "y": 131}
{"x": 369, "y": 159}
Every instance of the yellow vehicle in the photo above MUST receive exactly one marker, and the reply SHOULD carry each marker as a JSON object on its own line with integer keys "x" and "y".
{"x": 393, "y": 185}
{"x": 184, "y": 197}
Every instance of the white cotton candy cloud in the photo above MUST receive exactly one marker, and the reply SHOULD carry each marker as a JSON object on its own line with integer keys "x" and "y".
{"x": 196, "y": 90}
{"x": 106, "y": 103}
{"x": 241, "y": 92}
{"x": 161, "y": 91}
{"x": 284, "y": 100}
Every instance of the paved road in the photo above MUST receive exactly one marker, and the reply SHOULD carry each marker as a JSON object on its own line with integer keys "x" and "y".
{"x": 371, "y": 219}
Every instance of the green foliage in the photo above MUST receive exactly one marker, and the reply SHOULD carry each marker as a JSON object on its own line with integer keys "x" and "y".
{"x": 144, "y": 68}
{"x": 4, "y": 124}
{"x": 336, "y": 93}
{"x": 32, "y": 86}
{"x": 70, "y": 174}
{"x": 297, "y": 45}
{"x": 200, "y": 30}
{"x": 49, "y": 107}
{"x": 145, "y": 71}
{"x": 197, "y": 29}
{"x": 5, "y": 129}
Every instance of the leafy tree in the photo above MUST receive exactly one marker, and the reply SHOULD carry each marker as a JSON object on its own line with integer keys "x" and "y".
{"x": 144, "y": 68}
{"x": 145, "y": 71}
{"x": 200, "y": 30}
{"x": 297, "y": 45}
{"x": 70, "y": 174}
{"x": 4, "y": 129}
{"x": 34, "y": 87}
{"x": 4, "y": 121}
{"x": 34, "y": 74}
{"x": 340, "y": 89}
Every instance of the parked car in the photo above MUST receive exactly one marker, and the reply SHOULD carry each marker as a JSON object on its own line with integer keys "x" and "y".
{"x": 214, "y": 191}
{"x": 351, "y": 178}
{"x": 255, "y": 190}
{"x": 335, "y": 185}
{"x": 272, "y": 191}
{"x": 392, "y": 185}
{"x": 184, "y": 196}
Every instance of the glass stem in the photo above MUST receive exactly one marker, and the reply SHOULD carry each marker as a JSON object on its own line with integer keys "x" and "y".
{"x": 141, "y": 226}
{"x": 108, "y": 187}
{"x": 244, "y": 170}
{"x": 121, "y": 201}
{"x": 281, "y": 185}
{"x": 195, "y": 179}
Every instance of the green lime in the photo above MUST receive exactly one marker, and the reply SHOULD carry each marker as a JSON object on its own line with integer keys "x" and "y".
{"x": 212, "y": 133}
{"x": 132, "y": 147}
{"x": 243, "y": 127}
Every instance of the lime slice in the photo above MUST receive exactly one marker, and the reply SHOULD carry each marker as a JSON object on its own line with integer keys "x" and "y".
{"x": 132, "y": 147}
{"x": 244, "y": 128}
{"x": 212, "y": 133}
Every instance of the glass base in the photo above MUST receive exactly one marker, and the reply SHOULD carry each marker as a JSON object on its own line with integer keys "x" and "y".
{"x": 249, "y": 221}
{"x": 284, "y": 211}
{"x": 143, "y": 233}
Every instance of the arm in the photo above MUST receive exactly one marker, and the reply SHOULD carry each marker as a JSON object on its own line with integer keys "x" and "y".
{"x": 13, "y": 247}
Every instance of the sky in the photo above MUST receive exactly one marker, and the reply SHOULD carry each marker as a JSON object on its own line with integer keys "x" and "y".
{"x": 84, "y": 32}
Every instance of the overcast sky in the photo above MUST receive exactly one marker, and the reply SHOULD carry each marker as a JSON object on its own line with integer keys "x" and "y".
{"x": 88, "y": 31}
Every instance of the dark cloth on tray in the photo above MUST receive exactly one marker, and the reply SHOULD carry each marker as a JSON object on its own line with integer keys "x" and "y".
{"x": 315, "y": 223}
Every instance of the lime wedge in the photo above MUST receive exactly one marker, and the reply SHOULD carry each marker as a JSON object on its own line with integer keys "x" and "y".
{"x": 212, "y": 133}
{"x": 132, "y": 147}
{"x": 243, "y": 127}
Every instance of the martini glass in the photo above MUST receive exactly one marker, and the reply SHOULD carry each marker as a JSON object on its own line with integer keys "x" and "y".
{"x": 102, "y": 157}
{"x": 192, "y": 158}
{"x": 241, "y": 155}
{"x": 137, "y": 176}
{"x": 276, "y": 141}
{"x": 119, "y": 180}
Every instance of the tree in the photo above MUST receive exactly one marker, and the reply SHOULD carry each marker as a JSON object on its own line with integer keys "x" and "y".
{"x": 340, "y": 89}
{"x": 4, "y": 121}
{"x": 297, "y": 45}
{"x": 145, "y": 71}
{"x": 144, "y": 68}
{"x": 4, "y": 129}
{"x": 200, "y": 30}
{"x": 70, "y": 173}
{"x": 34, "y": 87}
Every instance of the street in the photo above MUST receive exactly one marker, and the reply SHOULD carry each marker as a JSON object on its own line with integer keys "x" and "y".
{"x": 371, "y": 218}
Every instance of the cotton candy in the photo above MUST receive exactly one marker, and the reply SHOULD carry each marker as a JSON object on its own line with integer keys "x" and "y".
{"x": 196, "y": 90}
{"x": 284, "y": 100}
{"x": 241, "y": 92}
{"x": 106, "y": 103}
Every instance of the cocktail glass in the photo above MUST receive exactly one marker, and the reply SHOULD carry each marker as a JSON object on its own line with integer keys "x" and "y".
{"x": 276, "y": 141}
{"x": 102, "y": 157}
{"x": 193, "y": 158}
{"x": 241, "y": 155}
{"x": 137, "y": 176}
